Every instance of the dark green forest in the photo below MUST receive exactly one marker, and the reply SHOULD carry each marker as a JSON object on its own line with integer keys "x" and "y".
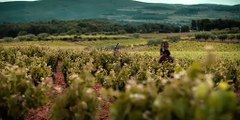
{"x": 207, "y": 24}
{"x": 83, "y": 27}
{"x": 56, "y": 27}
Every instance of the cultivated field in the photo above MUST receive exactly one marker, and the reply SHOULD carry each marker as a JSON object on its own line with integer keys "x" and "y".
{"x": 89, "y": 79}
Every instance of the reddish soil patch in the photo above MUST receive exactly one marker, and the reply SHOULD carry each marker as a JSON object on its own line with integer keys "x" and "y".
{"x": 43, "y": 113}
{"x": 39, "y": 113}
{"x": 59, "y": 76}
{"x": 103, "y": 111}
{"x": 59, "y": 86}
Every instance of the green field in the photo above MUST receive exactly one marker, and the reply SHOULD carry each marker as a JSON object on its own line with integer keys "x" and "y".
{"x": 181, "y": 49}
{"x": 50, "y": 44}
{"x": 106, "y": 43}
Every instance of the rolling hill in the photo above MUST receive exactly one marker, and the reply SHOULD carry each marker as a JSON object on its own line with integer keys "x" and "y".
{"x": 115, "y": 10}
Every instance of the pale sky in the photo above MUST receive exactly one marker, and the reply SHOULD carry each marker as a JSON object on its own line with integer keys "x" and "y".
{"x": 226, "y": 2}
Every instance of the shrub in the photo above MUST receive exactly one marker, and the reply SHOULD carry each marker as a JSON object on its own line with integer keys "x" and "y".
{"x": 135, "y": 103}
{"x": 154, "y": 42}
{"x": 238, "y": 37}
{"x": 8, "y": 39}
{"x": 174, "y": 38}
{"x": 204, "y": 36}
{"x": 22, "y": 33}
{"x": 213, "y": 37}
{"x": 29, "y": 37}
{"x": 198, "y": 36}
{"x": 72, "y": 32}
{"x": 231, "y": 37}
{"x": 222, "y": 37}
{"x": 234, "y": 30}
{"x": 43, "y": 36}
{"x": 18, "y": 94}
{"x": 39, "y": 71}
{"x": 78, "y": 103}
{"x": 136, "y": 35}
{"x": 190, "y": 96}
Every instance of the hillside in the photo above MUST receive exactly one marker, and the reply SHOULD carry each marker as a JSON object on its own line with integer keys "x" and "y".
{"x": 116, "y": 10}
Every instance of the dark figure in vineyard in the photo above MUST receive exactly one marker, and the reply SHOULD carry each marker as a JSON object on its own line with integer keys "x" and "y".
{"x": 166, "y": 57}
{"x": 116, "y": 50}
{"x": 164, "y": 46}
{"x": 166, "y": 60}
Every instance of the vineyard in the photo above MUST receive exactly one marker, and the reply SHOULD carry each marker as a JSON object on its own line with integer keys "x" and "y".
{"x": 59, "y": 80}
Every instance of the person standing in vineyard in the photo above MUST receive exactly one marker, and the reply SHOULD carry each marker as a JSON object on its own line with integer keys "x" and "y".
{"x": 164, "y": 46}
{"x": 116, "y": 50}
{"x": 166, "y": 57}
{"x": 166, "y": 60}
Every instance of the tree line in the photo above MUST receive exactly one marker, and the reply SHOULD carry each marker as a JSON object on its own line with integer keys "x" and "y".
{"x": 90, "y": 26}
{"x": 207, "y": 24}
{"x": 55, "y": 27}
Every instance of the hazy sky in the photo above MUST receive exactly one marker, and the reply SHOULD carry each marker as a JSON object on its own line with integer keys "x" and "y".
{"x": 228, "y": 2}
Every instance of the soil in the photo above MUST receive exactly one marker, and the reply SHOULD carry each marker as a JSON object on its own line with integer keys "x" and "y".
{"x": 59, "y": 86}
{"x": 103, "y": 110}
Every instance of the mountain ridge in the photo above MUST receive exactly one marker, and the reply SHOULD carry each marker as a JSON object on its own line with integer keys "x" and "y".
{"x": 114, "y": 10}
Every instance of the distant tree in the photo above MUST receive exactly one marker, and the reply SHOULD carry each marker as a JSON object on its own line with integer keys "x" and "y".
{"x": 194, "y": 25}
{"x": 207, "y": 24}
{"x": 83, "y": 26}
{"x": 130, "y": 28}
{"x": 185, "y": 28}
